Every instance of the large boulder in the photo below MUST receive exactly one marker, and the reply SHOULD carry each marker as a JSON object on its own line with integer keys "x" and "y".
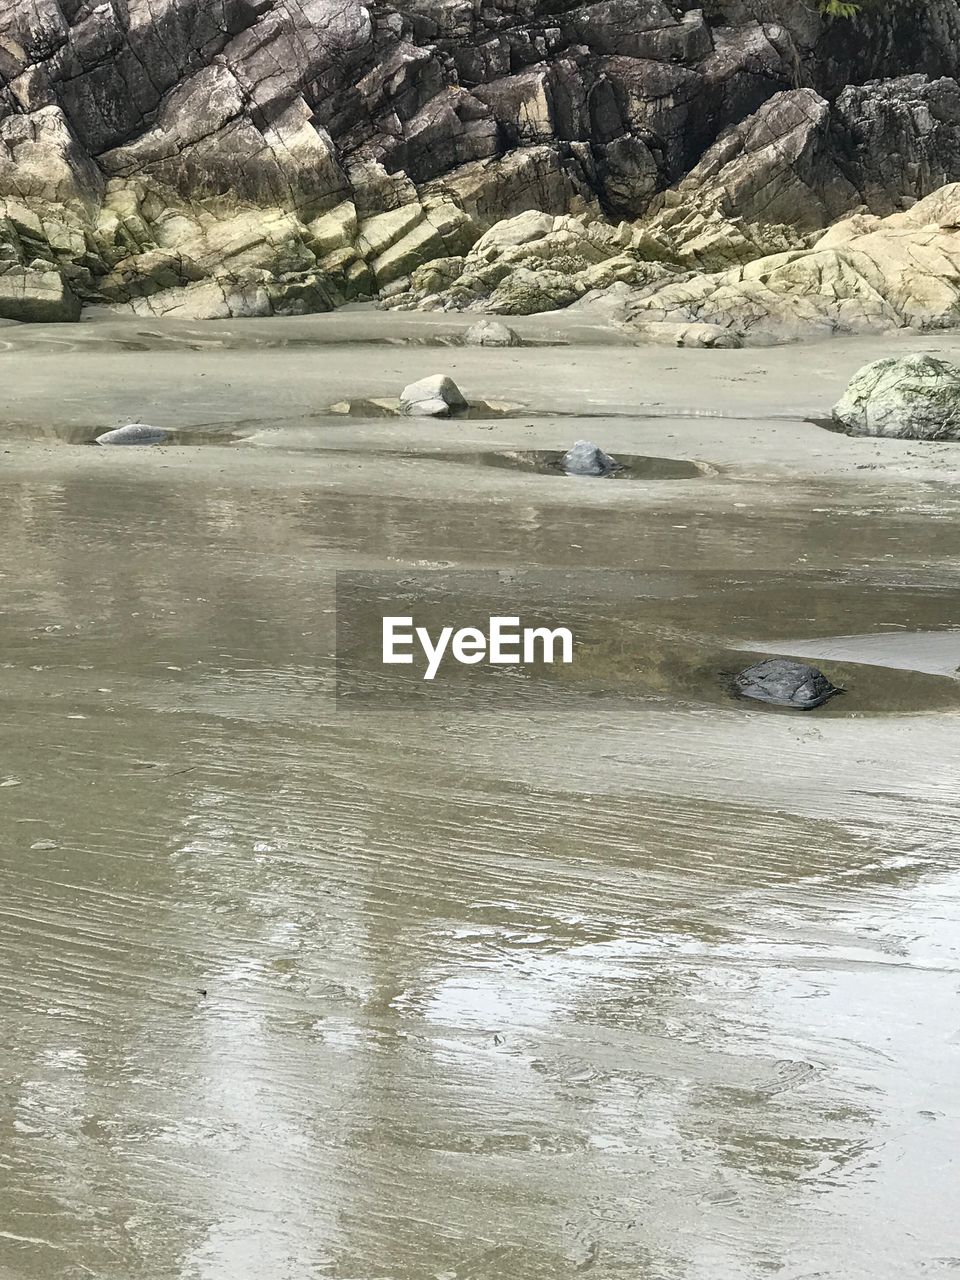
{"x": 906, "y": 398}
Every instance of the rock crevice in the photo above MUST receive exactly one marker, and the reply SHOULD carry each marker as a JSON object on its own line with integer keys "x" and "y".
{"x": 261, "y": 156}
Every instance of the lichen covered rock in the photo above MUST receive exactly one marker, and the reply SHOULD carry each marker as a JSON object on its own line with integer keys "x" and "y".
{"x": 913, "y": 397}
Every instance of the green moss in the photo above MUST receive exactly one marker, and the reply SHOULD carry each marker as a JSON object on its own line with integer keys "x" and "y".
{"x": 839, "y": 8}
{"x": 851, "y": 8}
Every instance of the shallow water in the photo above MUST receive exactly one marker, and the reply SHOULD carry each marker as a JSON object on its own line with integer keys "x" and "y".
{"x": 600, "y": 972}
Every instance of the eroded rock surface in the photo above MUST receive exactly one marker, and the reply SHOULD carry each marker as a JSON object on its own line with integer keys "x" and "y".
{"x": 865, "y": 274}
{"x": 252, "y": 157}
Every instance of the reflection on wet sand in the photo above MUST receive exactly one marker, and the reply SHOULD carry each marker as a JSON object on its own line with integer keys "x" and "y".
{"x": 622, "y": 983}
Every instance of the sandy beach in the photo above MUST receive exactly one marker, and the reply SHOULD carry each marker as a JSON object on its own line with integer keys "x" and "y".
{"x": 609, "y": 974}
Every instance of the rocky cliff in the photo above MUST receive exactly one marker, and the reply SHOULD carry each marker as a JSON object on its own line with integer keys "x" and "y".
{"x": 246, "y": 157}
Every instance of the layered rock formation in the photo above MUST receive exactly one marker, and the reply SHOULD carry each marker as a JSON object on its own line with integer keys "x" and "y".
{"x": 247, "y": 157}
{"x": 669, "y": 278}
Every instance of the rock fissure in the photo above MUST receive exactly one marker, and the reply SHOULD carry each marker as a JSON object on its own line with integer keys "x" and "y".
{"x": 173, "y": 155}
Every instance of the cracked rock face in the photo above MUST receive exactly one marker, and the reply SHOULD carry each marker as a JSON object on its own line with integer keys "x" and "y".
{"x": 745, "y": 248}
{"x": 253, "y": 157}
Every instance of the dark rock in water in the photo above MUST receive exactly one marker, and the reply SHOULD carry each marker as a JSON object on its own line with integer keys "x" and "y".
{"x": 133, "y": 433}
{"x": 785, "y": 684}
{"x": 588, "y": 459}
{"x": 491, "y": 333}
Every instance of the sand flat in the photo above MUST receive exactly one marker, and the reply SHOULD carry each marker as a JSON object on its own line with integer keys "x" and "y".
{"x": 536, "y": 980}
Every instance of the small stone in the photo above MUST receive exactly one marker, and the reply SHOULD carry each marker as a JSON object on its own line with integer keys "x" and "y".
{"x": 434, "y": 397}
{"x": 785, "y": 683}
{"x": 133, "y": 433}
{"x": 588, "y": 459}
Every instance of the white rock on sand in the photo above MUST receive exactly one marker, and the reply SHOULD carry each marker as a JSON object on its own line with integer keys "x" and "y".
{"x": 133, "y": 433}
{"x": 434, "y": 397}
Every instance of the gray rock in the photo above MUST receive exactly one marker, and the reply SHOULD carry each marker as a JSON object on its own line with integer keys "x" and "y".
{"x": 906, "y": 398}
{"x": 434, "y": 397}
{"x": 133, "y": 433}
{"x": 899, "y": 138}
{"x": 39, "y": 157}
{"x": 183, "y": 157}
{"x": 708, "y": 336}
{"x": 490, "y": 333}
{"x": 785, "y": 683}
{"x": 588, "y": 459}
{"x": 35, "y": 295}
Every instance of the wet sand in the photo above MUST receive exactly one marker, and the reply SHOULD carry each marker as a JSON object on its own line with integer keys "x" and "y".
{"x": 608, "y": 975}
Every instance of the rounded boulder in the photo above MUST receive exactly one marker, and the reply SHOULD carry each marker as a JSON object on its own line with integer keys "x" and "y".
{"x": 902, "y": 398}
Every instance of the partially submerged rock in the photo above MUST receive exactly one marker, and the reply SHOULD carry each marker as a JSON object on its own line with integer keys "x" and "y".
{"x": 491, "y": 333}
{"x": 588, "y": 459}
{"x": 133, "y": 433}
{"x": 785, "y": 683}
{"x": 434, "y": 397}
{"x": 913, "y": 397}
